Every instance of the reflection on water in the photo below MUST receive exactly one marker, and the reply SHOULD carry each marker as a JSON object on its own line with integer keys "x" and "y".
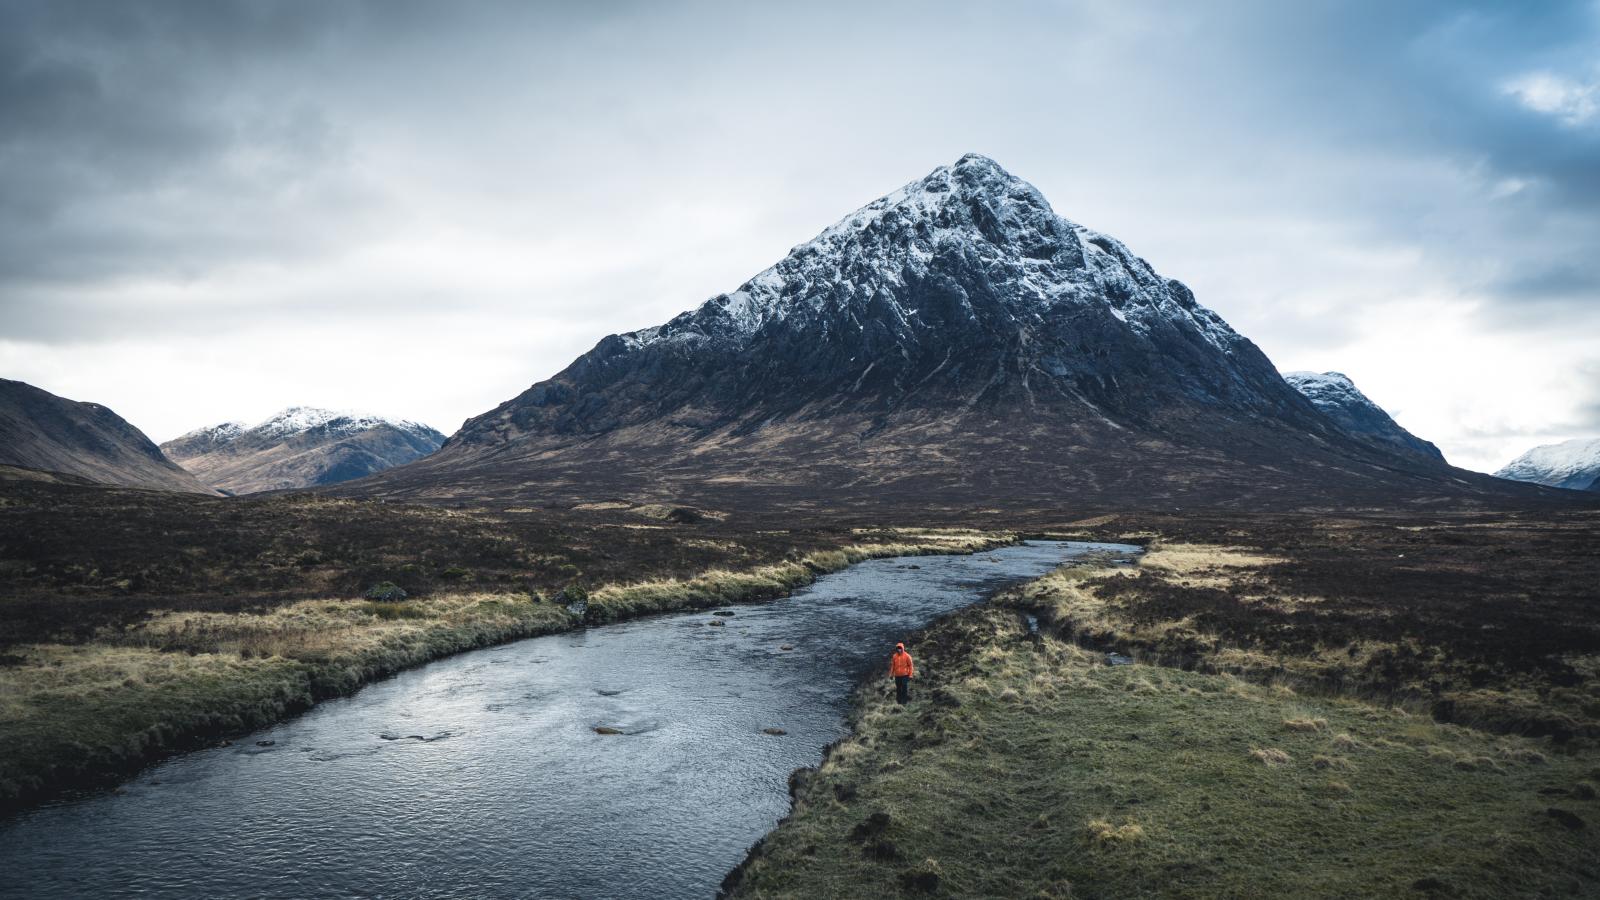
{"x": 483, "y": 774}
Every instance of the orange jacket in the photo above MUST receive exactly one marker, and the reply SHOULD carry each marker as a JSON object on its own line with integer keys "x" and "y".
{"x": 900, "y": 664}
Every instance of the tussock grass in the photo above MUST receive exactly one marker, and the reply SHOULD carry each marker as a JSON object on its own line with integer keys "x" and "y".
{"x": 1270, "y": 756}
{"x": 1103, "y": 835}
{"x": 1368, "y": 802}
{"x": 1218, "y": 607}
{"x": 1305, "y": 723}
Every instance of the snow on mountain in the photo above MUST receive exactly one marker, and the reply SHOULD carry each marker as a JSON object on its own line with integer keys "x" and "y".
{"x": 1573, "y": 464}
{"x": 301, "y": 446}
{"x": 974, "y": 208}
{"x": 298, "y": 420}
{"x": 1337, "y": 396}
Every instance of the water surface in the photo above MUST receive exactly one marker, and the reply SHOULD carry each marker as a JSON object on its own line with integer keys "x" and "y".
{"x": 481, "y": 775}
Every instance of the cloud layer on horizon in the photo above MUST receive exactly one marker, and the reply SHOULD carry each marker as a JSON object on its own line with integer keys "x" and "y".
{"x": 211, "y": 210}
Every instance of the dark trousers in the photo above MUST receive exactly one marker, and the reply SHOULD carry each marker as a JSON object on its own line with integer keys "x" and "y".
{"x": 902, "y": 689}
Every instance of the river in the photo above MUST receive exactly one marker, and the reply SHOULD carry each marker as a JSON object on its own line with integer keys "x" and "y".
{"x": 482, "y": 774}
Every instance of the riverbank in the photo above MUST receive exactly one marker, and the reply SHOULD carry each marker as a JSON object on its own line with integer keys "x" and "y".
{"x": 90, "y": 712}
{"x": 1027, "y": 766}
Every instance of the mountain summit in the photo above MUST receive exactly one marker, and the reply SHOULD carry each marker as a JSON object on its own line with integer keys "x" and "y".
{"x": 953, "y": 344}
{"x": 301, "y": 446}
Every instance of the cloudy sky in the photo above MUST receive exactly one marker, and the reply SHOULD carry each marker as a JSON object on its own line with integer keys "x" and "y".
{"x": 211, "y": 210}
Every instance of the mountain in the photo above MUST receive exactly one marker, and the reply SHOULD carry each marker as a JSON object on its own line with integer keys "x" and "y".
{"x": 1571, "y": 464}
{"x": 1339, "y": 398}
{"x": 953, "y": 346}
{"x": 300, "y": 447}
{"x": 39, "y": 430}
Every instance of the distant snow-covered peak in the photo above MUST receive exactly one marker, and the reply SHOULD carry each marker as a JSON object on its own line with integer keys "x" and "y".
{"x": 221, "y": 432}
{"x": 1571, "y": 464}
{"x": 299, "y": 419}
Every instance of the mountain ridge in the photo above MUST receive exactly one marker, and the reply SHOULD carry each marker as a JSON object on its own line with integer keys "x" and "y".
{"x": 43, "y": 431}
{"x": 1337, "y": 396}
{"x": 954, "y": 343}
{"x": 1573, "y": 465}
{"x": 299, "y": 447}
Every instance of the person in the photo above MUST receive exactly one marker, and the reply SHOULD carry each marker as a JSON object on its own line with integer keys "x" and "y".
{"x": 902, "y": 668}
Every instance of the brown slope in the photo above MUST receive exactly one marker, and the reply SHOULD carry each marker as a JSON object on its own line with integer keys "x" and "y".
{"x": 39, "y": 430}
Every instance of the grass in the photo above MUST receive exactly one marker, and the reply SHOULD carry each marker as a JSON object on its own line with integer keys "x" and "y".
{"x": 1026, "y": 768}
{"x": 1487, "y": 655}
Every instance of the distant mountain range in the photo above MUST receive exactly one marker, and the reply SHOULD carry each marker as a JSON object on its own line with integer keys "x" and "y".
{"x": 952, "y": 346}
{"x": 1574, "y": 465}
{"x": 39, "y": 430}
{"x": 300, "y": 447}
{"x": 1339, "y": 398}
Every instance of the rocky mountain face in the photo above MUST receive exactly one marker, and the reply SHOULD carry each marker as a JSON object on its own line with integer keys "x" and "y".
{"x": 1574, "y": 465}
{"x": 1340, "y": 400}
{"x": 954, "y": 345}
{"x": 300, "y": 447}
{"x": 39, "y": 430}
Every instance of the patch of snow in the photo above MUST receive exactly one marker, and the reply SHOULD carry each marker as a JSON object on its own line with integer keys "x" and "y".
{"x": 299, "y": 419}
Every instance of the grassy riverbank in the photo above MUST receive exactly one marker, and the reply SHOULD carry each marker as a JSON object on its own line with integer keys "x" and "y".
{"x": 1026, "y": 767}
{"x": 86, "y": 705}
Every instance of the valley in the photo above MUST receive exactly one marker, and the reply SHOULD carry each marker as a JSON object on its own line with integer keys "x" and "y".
{"x": 1333, "y": 645}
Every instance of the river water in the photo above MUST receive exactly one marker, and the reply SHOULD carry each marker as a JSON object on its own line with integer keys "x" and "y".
{"x": 482, "y": 775}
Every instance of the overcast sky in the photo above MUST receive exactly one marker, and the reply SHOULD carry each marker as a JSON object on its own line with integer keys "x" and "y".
{"x": 212, "y": 210}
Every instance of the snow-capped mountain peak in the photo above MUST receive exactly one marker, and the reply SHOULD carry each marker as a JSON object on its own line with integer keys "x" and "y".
{"x": 1573, "y": 464}
{"x": 299, "y": 419}
{"x": 300, "y": 446}
{"x": 971, "y": 208}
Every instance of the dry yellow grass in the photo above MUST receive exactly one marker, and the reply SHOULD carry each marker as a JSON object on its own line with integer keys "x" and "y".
{"x": 1104, "y": 835}
{"x": 1270, "y": 756}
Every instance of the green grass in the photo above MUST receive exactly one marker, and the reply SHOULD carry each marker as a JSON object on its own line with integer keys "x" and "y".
{"x": 1026, "y": 768}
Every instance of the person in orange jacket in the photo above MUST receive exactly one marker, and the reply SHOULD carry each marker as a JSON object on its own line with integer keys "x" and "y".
{"x": 902, "y": 668}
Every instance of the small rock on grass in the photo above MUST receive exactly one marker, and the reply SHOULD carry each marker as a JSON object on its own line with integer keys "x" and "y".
{"x": 1567, "y": 819}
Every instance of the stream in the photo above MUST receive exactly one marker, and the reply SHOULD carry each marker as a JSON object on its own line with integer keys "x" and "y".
{"x": 482, "y": 775}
